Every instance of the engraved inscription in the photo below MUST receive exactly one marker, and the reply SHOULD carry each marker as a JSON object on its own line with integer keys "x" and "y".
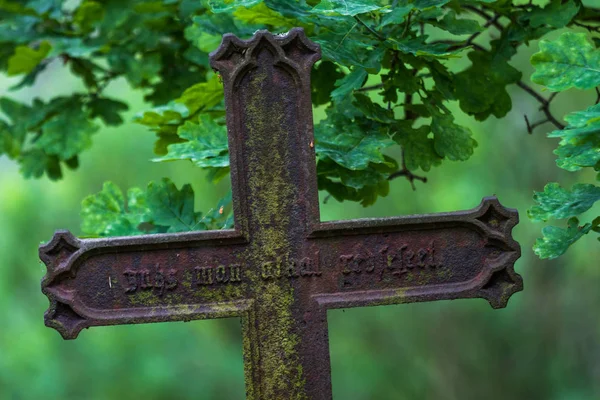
{"x": 397, "y": 260}
{"x": 222, "y": 274}
{"x": 290, "y": 268}
{"x": 157, "y": 280}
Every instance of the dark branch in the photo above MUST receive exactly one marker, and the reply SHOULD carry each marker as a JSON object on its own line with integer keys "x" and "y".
{"x": 407, "y": 174}
{"x": 532, "y": 126}
{"x": 487, "y": 25}
{"x": 368, "y": 88}
{"x": 545, "y": 107}
{"x": 407, "y": 24}
{"x": 486, "y": 16}
{"x": 457, "y": 44}
{"x": 373, "y": 31}
{"x": 589, "y": 28}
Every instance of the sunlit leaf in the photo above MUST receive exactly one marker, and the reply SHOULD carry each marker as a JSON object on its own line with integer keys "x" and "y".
{"x": 346, "y": 7}
{"x": 580, "y": 140}
{"x": 172, "y": 207}
{"x": 107, "y": 213}
{"x": 205, "y": 144}
{"x": 556, "y": 241}
{"x": 557, "y": 202}
{"x": 25, "y": 59}
{"x": 569, "y": 61}
{"x": 345, "y": 143}
{"x": 221, "y": 6}
{"x": 261, "y": 14}
{"x": 396, "y": 16}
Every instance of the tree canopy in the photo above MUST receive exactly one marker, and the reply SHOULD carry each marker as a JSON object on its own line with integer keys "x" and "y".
{"x": 390, "y": 70}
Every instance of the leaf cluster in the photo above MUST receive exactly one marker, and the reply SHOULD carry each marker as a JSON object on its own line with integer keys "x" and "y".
{"x": 158, "y": 209}
{"x": 570, "y": 61}
{"x": 99, "y": 41}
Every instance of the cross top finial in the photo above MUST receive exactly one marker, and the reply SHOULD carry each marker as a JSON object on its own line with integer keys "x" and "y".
{"x": 292, "y": 48}
{"x": 266, "y": 80}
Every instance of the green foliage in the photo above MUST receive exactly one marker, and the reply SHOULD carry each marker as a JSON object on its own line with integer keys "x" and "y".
{"x": 481, "y": 89}
{"x": 342, "y": 140}
{"x": 26, "y": 59}
{"x": 67, "y": 133}
{"x": 346, "y": 7}
{"x": 556, "y": 14}
{"x": 579, "y": 146}
{"x": 570, "y": 61}
{"x": 44, "y": 135}
{"x": 449, "y": 139}
{"x": 205, "y": 144}
{"x": 160, "y": 208}
{"x": 458, "y": 26}
{"x": 387, "y": 80}
{"x": 108, "y": 214}
{"x": 555, "y": 241}
{"x": 556, "y": 202}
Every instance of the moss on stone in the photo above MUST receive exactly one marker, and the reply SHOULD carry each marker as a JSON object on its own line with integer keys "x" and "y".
{"x": 271, "y": 195}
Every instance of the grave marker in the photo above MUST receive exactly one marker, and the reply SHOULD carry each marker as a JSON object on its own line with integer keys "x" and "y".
{"x": 280, "y": 269}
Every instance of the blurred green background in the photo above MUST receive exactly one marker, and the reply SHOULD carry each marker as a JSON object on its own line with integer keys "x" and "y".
{"x": 544, "y": 345}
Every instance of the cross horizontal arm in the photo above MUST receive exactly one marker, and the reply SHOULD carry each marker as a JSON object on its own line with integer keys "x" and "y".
{"x": 419, "y": 258}
{"x": 143, "y": 279}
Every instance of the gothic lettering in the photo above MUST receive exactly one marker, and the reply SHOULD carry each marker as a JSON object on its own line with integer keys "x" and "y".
{"x": 290, "y": 268}
{"x": 397, "y": 260}
{"x": 146, "y": 279}
{"x": 223, "y": 274}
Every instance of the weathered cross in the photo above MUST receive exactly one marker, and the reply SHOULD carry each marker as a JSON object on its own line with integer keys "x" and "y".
{"x": 280, "y": 269}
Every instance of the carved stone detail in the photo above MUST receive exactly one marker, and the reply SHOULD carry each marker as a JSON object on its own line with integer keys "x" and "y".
{"x": 292, "y": 49}
{"x": 64, "y": 319}
{"x": 58, "y": 253}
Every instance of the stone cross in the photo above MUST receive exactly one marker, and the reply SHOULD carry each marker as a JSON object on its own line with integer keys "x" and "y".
{"x": 280, "y": 268}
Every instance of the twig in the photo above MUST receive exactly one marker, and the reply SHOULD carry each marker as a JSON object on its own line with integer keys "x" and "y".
{"x": 485, "y": 15}
{"x": 530, "y": 126}
{"x": 372, "y": 87}
{"x": 589, "y": 28}
{"x": 545, "y": 107}
{"x": 487, "y": 25}
{"x": 407, "y": 174}
{"x": 407, "y": 24}
{"x": 456, "y": 44}
{"x": 373, "y": 31}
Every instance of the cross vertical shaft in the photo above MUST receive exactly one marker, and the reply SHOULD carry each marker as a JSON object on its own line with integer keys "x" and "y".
{"x": 267, "y": 96}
